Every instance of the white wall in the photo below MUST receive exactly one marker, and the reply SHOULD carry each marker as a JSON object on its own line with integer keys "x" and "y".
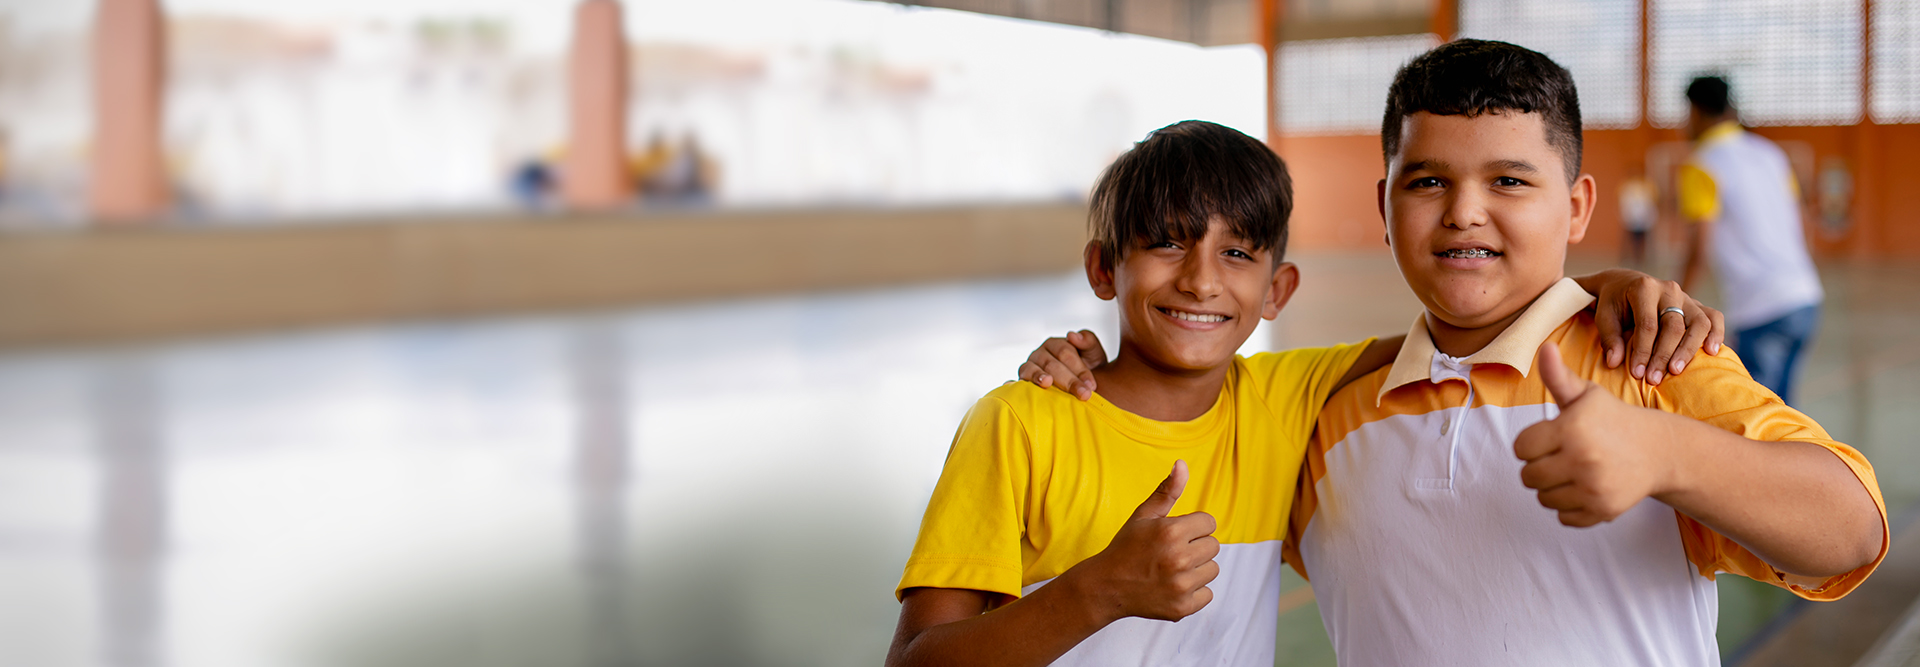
{"x": 350, "y": 107}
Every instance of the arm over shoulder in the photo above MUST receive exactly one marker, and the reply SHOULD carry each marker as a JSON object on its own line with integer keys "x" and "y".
{"x": 1303, "y": 379}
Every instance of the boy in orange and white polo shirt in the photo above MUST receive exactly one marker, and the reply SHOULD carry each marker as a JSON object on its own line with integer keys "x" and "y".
{"x": 1419, "y": 518}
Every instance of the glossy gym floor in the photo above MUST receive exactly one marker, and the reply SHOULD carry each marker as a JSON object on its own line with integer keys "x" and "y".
{"x": 718, "y": 483}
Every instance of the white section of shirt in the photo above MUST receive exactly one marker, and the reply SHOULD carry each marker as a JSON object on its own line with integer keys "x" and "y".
{"x": 1237, "y": 628}
{"x": 1425, "y": 549}
{"x": 1758, "y": 250}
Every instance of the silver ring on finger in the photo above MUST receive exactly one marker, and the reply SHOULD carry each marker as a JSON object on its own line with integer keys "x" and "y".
{"x": 1674, "y": 310}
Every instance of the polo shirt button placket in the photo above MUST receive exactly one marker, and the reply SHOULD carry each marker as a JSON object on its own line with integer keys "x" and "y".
{"x": 1442, "y": 369}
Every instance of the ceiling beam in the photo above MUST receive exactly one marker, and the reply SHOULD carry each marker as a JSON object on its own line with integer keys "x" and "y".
{"x": 1217, "y": 22}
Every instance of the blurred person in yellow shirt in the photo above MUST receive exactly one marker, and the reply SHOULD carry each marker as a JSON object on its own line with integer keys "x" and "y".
{"x": 1739, "y": 194}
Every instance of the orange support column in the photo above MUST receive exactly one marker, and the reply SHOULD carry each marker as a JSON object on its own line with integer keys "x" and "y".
{"x": 1644, "y": 134}
{"x": 594, "y": 170}
{"x": 1868, "y": 220}
{"x": 1645, "y": 130}
{"x": 1267, "y": 17}
{"x": 128, "y": 180}
{"x": 1445, "y": 20}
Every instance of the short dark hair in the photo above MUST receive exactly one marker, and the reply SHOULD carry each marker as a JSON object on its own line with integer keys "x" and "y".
{"x": 1174, "y": 182}
{"x": 1710, "y": 94}
{"x": 1469, "y": 77}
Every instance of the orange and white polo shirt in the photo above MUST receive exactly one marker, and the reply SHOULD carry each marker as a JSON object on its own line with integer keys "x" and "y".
{"x": 1423, "y": 546}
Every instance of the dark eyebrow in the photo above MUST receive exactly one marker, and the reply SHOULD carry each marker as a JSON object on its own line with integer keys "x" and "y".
{"x": 1428, "y": 165}
{"x": 1521, "y": 166}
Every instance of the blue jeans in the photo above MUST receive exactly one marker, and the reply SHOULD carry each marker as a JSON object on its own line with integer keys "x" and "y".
{"x": 1772, "y": 350}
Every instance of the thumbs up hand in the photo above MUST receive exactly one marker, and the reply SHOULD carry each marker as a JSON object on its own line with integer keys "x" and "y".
{"x": 1600, "y": 457}
{"x": 1157, "y": 566}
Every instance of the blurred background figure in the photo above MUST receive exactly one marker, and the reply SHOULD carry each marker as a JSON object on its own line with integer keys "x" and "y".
{"x": 1638, "y": 211}
{"x": 3, "y": 166}
{"x": 646, "y": 163}
{"x": 533, "y": 184}
{"x": 679, "y": 175}
{"x": 1742, "y": 202}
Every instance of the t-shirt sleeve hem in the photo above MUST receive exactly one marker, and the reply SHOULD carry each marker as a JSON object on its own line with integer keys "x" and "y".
{"x": 1809, "y": 588}
{"x": 1838, "y": 586}
{"x": 960, "y": 572}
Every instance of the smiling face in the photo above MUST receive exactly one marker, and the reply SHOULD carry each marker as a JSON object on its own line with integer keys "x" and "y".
{"x": 1187, "y": 306}
{"x": 1479, "y": 213}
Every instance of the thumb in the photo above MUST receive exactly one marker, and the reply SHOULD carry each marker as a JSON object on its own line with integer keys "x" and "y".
{"x": 1560, "y": 381}
{"x": 1161, "y": 501}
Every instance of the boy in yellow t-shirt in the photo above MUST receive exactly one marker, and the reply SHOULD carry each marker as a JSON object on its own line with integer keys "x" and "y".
{"x": 1062, "y": 517}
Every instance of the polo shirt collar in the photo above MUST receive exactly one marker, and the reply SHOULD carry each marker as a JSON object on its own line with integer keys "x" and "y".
{"x": 1721, "y": 132}
{"x": 1514, "y": 347}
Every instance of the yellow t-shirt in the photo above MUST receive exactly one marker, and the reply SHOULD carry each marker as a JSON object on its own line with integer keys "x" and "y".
{"x": 1038, "y": 481}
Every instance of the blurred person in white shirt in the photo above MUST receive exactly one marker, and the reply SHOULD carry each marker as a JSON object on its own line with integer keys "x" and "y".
{"x": 1739, "y": 193}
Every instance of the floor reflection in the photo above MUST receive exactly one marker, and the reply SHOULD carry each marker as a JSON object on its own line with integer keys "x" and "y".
{"x": 132, "y": 524}
{"x": 474, "y": 493}
{"x": 601, "y": 468}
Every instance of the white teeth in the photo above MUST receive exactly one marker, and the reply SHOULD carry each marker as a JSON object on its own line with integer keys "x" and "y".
{"x": 1192, "y": 317}
{"x": 1468, "y": 253}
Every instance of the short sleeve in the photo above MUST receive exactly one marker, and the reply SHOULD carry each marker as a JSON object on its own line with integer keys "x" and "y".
{"x": 1717, "y": 390}
{"x": 971, "y": 535}
{"x": 1699, "y": 195}
{"x": 1299, "y": 381}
